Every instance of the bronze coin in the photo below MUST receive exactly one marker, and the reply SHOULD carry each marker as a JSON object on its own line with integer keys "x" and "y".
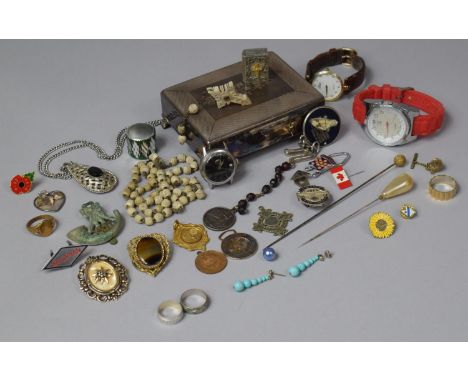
{"x": 210, "y": 262}
{"x": 239, "y": 245}
{"x": 219, "y": 219}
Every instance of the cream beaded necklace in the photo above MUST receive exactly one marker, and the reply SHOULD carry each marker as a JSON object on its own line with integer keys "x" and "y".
{"x": 169, "y": 186}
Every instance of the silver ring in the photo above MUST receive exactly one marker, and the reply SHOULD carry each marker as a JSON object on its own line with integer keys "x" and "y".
{"x": 194, "y": 301}
{"x": 170, "y": 312}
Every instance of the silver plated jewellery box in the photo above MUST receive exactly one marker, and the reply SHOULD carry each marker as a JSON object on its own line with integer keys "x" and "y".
{"x": 241, "y": 119}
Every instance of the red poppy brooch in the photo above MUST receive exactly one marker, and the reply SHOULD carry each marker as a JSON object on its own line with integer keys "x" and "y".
{"x": 20, "y": 184}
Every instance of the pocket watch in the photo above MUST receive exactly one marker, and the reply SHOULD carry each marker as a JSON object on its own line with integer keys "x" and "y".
{"x": 327, "y": 82}
{"x": 218, "y": 166}
{"x": 393, "y": 116}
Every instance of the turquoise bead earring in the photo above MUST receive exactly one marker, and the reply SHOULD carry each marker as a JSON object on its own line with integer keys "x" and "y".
{"x": 239, "y": 286}
{"x": 296, "y": 270}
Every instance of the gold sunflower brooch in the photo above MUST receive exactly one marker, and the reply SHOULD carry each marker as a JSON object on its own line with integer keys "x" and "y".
{"x": 381, "y": 225}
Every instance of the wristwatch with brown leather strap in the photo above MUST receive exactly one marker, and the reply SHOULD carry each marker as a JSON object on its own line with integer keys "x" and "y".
{"x": 327, "y": 82}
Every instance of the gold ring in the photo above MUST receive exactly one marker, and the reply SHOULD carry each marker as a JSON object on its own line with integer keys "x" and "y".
{"x": 443, "y": 187}
{"x": 42, "y": 225}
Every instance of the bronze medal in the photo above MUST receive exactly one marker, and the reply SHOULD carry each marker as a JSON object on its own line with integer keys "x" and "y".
{"x": 190, "y": 236}
{"x": 210, "y": 262}
{"x": 238, "y": 245}
{"x": 219, "y": 219}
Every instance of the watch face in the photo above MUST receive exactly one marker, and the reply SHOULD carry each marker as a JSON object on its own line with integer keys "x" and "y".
{"x": 328, "y": 84}
{"x": 387, "y": 125}
{"x": 321, "y": 125}
{"x": 218, "y": 166}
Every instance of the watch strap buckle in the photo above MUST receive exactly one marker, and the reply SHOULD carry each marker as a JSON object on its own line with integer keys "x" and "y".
{"x": 348, "y": 55}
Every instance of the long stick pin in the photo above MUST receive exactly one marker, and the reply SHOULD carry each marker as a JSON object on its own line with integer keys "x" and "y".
{"x": 398, "y": 161}
{"x": 400, "y": 185}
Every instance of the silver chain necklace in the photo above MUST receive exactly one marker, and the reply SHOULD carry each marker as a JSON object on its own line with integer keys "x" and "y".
{"x": 66, "y": 147}
{"x": 93, "y": 179}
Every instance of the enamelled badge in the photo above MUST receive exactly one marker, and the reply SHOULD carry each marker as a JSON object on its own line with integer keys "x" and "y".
{"x": 341, "y": 178}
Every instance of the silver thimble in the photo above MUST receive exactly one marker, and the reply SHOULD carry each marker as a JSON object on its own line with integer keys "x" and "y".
{"x": 141, "y": 140}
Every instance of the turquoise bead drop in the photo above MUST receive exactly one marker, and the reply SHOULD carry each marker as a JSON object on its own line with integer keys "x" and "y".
{"x": 239, "y": 286}
{"x": 294, "y": 271}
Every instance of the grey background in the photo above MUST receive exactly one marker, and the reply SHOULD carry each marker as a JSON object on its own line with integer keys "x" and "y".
{"x": 411, "y": 286}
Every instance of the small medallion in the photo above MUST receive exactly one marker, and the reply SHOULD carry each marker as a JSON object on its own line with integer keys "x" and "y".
{"x": 149, "y": 253}
{"x": 210, "y": 262}
{"x": 238, "y": 245}
{"x": 407, "y": 211}
{"x": 273, "y": 222}
{"x": 103, "y": 278}
{"x": 190, "y": 236}
{"x": 65, "y": 257}
{"x": 313, "y": 196}
{"x": 49, "y": 201}
{"x": 219, "y": 219}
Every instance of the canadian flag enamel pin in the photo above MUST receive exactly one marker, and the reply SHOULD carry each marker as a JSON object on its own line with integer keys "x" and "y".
{"x": 341, "y": 178}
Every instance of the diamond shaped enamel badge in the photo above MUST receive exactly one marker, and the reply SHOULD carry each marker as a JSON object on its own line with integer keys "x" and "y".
{"x": 65, "y": 257}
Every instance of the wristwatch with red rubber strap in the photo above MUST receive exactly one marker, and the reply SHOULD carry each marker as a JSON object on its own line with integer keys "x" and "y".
{"x": 423, "y": 125}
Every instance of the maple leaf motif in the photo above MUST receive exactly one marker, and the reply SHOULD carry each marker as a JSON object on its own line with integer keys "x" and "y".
{"x": 340, "y": 177}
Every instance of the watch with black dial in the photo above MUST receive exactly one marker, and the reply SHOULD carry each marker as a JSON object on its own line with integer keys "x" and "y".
{"x": 329, "y": 83}
{"x": 218, "y": 167}
{"x": 393, "y": 116}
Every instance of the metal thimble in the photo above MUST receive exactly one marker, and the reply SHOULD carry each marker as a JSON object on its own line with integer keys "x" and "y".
{"x": 141, "y": 140}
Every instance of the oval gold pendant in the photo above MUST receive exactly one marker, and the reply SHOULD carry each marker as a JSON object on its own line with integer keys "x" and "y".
{"x": 149, "y": 253}
{"x": 190, "y": 236}
{"x": 103, "y": 278}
